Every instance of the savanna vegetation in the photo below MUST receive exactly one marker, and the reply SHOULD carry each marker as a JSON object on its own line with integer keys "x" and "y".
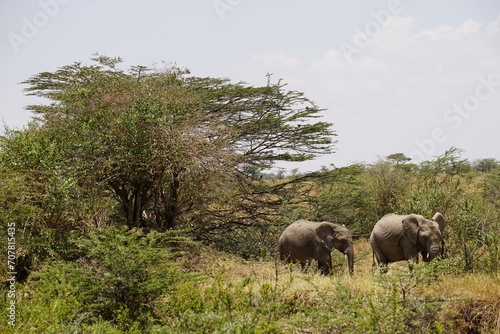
{"x": 139, "y": 203}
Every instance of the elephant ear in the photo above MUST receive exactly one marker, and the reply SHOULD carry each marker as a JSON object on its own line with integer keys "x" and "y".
{"x": 326, "y": 233}
{"x": 410, "y": 228}
{"x": 439, "y": 218}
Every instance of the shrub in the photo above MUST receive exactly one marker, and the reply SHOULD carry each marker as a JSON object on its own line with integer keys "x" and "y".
{"x": 54, "y": 300}
{"x": 131, "y": 273}
{"x": 115, "y": 286}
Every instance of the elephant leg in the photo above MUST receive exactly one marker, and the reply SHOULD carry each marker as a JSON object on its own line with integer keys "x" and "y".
{"x": 320, "y": 265}
{"x": 325, "y": 264}
{"x": 383, "y": 262}
{"x": 305, "y": 265}
{"x": 326, "y": 268}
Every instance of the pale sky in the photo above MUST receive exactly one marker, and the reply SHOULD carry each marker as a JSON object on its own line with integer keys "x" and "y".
{"x": 416, "y": 77}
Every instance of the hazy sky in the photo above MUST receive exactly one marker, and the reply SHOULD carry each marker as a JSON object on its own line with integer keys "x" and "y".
{"x": 394, "y": 76}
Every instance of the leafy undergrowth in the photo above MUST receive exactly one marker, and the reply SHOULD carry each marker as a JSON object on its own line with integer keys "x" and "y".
{"x": 127, "y": 282}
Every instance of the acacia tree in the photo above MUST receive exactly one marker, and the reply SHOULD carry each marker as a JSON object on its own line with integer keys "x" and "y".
{"x": 162, "y": 141}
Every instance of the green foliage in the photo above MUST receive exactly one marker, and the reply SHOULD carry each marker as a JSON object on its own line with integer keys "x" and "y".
{"x": 445, "y": 185}
{"x": 398, "y": 158}
{"x": 359, "y": 195}
{"x": 87, "y": 296}
{"x": 43, "y": 197}
{"x": 449, "y": 162}
{"x": 59, "y": 291}
{"x": 343, "y": 198}
{"x": 485, "y": 165}
{"x": 492, "y": 244}
{"x": 394, "y": 307}
{"x": 491, "y": 187}
{"x": 438, "y": 185}
{"x": 214, "y": 305}
{"x": 132, "y": 271}
{"x": 115, "y": 285}
{"x": 467, "y": 230}
{"x": 388, "y": 185}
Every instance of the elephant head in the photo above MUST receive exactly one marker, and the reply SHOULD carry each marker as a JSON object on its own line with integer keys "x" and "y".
{"x": 403, "y": 237}
{"x": 426, "y": 234}
{"x": 303, "y": 241}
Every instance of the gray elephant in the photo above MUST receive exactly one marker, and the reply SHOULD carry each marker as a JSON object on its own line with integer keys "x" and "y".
{"x": 403, "y": 237}
{"x": 304, "y": 240}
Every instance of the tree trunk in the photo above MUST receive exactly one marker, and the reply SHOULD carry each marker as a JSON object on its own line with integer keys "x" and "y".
{"x": 157, "y": 205}
{"x": 171, "y": 202}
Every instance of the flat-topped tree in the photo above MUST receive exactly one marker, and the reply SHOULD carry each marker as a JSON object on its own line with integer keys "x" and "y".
{"x": 163, "y": 140}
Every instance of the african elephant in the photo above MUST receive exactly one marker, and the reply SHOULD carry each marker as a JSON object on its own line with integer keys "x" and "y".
{"x": 403, "y": 237}
{"x": 304, "y": 240}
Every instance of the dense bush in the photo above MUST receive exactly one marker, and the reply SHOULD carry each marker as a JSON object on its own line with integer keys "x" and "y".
{"x": 117, "y": 282}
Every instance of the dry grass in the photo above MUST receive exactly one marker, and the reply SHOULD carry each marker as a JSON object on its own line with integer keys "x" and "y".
{"x": 234, "y": 268}
{"x": 474, "y": 286}
{"x": 470, "y": 302}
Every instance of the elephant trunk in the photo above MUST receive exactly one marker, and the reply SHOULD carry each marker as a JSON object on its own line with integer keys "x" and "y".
{"x": 432, "y": 253}
{"x": 350, "y": 259}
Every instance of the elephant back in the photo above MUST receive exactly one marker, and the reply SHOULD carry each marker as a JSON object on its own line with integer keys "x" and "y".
{"x": 389, "y": 224}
